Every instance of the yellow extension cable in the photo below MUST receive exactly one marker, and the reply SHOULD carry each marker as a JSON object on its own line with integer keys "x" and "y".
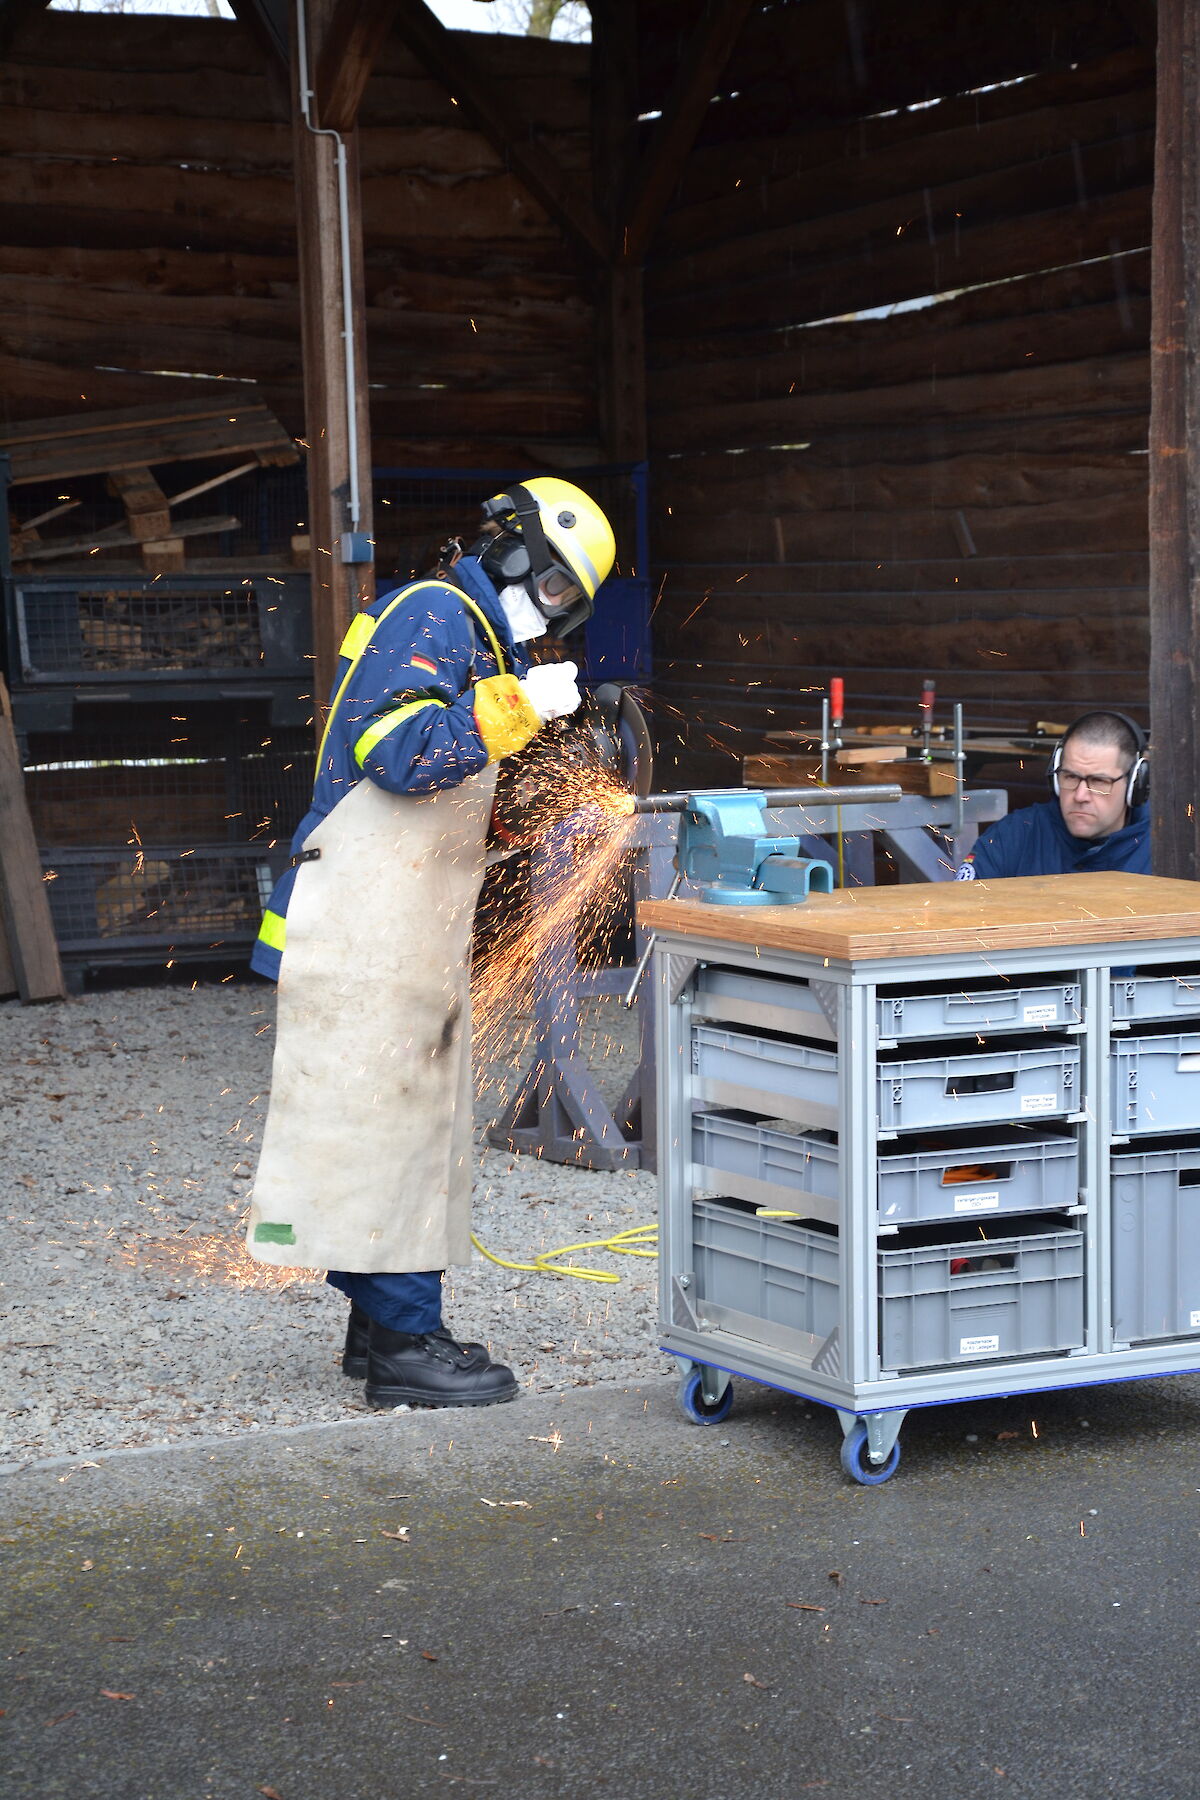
{"x": 639, "y": 1240}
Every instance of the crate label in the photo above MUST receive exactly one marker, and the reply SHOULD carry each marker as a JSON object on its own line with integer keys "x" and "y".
{"x": 982, "y": 1202}
{"x": 979, "y": 1346}
{"x": 1195, "y": 1324}
{"x": 1040, "y": 1015}
{"x": 1033, "y": 1103}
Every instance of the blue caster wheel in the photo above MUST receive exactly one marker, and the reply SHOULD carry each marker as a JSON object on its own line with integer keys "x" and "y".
{"x": 858, "y": 1464}
{"x": 689, "y": 1397}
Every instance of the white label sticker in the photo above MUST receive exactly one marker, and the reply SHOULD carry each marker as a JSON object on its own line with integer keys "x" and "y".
{"x": 979, "y": 1346}
{"x": 977, "y": 1202}
{"x": 1031, "y": 1103}
{"x": 1195, "y": 1321}
{"x": 1040, "y": 1015}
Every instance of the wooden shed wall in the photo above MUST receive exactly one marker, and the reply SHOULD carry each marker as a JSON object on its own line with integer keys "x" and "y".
{"x": 147, "y": 224}
{"x": 957, "y": 490}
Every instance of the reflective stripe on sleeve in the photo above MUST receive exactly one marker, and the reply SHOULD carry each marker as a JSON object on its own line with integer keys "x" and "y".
{"x": 273, "y": 930}
{"x": 382, "y": 727}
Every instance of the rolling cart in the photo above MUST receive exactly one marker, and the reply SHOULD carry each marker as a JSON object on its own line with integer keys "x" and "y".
{"x": 929, "y": 1144}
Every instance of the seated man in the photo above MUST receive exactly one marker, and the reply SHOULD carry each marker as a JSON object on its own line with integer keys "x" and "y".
{"x": 1098, "y": 818}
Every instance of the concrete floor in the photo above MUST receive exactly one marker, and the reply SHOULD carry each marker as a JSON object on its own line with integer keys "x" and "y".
{"x": 657, "y": 1612}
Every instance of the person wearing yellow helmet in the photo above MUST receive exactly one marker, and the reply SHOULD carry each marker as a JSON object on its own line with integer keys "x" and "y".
{"x": 550, "y": 539}
{"x": 365, "y": 1167}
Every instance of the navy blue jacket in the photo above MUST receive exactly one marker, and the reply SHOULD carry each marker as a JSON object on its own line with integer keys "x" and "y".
{"x": 407, "y": 719}
{"x": 1035, "y": 841}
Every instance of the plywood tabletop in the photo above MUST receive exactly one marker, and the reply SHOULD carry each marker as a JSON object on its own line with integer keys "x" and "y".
{"x": 948, "y": 918}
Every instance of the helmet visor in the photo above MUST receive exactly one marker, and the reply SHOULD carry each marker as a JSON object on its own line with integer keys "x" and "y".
{"x": 558, "y": 596}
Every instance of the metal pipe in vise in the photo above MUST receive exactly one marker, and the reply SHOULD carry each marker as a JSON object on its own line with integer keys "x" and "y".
{"x": 881, "y": 795}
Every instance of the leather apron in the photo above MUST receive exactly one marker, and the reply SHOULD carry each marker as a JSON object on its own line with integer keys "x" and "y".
{"x": 366, "y": 1159}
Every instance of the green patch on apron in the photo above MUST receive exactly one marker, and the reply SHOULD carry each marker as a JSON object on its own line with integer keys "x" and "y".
{"x": 273, "y": 1234}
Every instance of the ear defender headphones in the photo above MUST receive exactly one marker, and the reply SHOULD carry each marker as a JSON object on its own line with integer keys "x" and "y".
{"x": 1137, "y": 782}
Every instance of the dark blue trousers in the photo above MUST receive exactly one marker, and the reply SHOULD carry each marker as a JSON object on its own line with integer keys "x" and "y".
{"x": 411, "y": 1302}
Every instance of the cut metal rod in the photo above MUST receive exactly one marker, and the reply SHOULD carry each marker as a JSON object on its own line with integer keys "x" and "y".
{"x": 777, "y": 797}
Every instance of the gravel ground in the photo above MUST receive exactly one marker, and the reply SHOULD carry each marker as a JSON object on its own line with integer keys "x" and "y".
{"x": 129, "y": 1135}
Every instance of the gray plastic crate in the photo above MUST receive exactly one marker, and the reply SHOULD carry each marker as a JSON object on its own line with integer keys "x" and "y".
{"x": 1156, "y": 1242}
{"x": 736, "y": 1068}
{"x": 1010, "y": 1084}
{"x": 763, "y": 1270}
{"x": 953, "y": 1012}
{"x": 979, "y": 1174}
{"x": 767, "y": 1002}
{"x": 1163, "y": 995}
{"x": 1156, "y": 1083}
{"x": 763, "y": 1162}
{"x": 964, "y": 1302}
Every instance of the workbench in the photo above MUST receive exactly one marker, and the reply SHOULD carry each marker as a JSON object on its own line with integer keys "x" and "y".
{"x": 929, "y": 1144}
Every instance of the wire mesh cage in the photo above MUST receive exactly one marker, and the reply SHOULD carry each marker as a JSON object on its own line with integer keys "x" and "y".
{"x": 163, "y": 841}
{"x": 74, "y": 629}
{"x": 140, "y": 787}
{"x": 158, "y": 902}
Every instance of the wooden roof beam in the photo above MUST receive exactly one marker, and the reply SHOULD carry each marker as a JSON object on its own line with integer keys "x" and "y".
{"x": 443, "y": 55}
{"x": 355, "y": 35}
{"x": 269, "y": 24}
{"x": 687, "y": 105}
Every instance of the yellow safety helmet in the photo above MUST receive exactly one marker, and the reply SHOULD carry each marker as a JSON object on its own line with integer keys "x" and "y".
{"x": 553, "y": 539}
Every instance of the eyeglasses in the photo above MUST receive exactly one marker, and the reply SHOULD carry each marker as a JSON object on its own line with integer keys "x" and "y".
{"x": 1100, "y": 785}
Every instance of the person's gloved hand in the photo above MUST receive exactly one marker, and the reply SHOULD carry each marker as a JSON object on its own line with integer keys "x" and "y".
{"x": 551, "y": 690}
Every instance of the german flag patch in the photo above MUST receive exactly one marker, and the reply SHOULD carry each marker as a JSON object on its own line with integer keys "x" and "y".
{"x": 423, "y": 662}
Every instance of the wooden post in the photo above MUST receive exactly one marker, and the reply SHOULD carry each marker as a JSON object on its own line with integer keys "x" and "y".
{"x": 339, "y": 589}
{"x": 1174, "y": 439}
{"x": 29, "y": 932}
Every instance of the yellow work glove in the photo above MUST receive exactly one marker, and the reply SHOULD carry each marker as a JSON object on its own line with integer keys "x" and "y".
{"x": 504, "y": 717}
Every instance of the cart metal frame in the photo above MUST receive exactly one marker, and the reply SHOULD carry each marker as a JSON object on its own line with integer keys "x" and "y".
{"x": 843, "y": 1371}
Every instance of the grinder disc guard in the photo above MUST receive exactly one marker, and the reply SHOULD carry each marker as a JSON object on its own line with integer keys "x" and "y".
{"x": 551, "y": 777}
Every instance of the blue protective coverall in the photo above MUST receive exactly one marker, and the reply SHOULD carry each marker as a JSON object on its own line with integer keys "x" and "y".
{"x": 407, "y": 721}
{"x": 408, "y": 713}
{"x": 1035, "y": 841}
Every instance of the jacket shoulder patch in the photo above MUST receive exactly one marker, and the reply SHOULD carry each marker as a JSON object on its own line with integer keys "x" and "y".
{"x": 423, "y": 662}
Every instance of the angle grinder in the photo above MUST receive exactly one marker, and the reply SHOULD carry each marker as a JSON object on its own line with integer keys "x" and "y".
{"x": 605, "y": 740}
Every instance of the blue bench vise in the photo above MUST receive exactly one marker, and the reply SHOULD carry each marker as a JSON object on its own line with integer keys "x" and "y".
{"x": 725, "y": 846}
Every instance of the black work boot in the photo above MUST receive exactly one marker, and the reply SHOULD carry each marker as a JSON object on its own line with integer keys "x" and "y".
{"x": 354, "y": 1356}
{"x": 430, "y": 1369}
